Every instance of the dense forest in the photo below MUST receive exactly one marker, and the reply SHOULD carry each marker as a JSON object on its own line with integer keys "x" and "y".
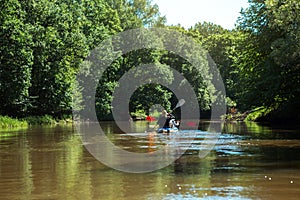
{"x": 43, "y": 44}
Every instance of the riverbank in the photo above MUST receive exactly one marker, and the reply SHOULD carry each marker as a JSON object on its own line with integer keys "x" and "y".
{"x": 266, "y": 115}
{"x": 9, "y": 122}
{"x": 249, "y": 115}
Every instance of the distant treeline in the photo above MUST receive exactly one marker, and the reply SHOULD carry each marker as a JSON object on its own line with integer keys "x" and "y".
{"x": 44, "y": 42}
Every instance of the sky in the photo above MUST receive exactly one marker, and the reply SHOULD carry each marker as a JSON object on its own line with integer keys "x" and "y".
{"x": 188, "y": 12}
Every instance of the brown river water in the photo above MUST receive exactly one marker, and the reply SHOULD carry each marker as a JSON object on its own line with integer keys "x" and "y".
{"x": 249, "y": 161}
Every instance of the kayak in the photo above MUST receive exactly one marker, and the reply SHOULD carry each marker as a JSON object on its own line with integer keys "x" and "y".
{"x": 167, "y": 130}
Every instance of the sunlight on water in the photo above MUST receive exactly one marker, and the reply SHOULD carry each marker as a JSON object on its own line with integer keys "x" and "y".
{"x": 52, "y": 163}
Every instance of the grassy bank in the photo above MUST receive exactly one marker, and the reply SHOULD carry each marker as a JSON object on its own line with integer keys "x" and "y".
{"x": 9, "y": 122}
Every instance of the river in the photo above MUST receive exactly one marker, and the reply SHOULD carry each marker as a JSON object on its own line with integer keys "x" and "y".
{"x": 249, "y": 161}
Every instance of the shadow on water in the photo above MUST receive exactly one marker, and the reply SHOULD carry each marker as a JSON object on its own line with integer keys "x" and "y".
{"x": 247, "y": 160}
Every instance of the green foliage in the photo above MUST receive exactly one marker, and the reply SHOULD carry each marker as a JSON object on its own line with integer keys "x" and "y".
{"x": 40, "y": 120}
{"x": 8, "y": 122}
{"x": 16, "y": 57}
{"x": 156, "y": 112}
{"x": 259, "y": 61}
{"x": 258, "y": 113}
{"x": 59, "y": 47}
{"x": 220, "y": 44}
{"x": 136, "y": 13}
{"x": 163, "y": 61}
{"x": 147, "y": 96}
{"x": 264, "y": 69}
{"x": 139, "y": 114}
{"x": 43, "y": 43}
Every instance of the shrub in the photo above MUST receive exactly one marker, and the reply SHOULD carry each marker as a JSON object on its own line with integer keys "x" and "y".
{"x": 8, "y": 122}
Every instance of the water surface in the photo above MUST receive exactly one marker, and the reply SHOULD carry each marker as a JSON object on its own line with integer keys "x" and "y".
{"x": 249, "y": 161}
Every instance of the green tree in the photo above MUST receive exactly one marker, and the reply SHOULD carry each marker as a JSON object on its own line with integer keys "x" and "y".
{"x": 137, "y": 13}
{"x": 16, "y": 58}
{"x": 194, "y": 66}
{"x": 59, "y": 47}
{"x": 271, "y": 54}
{"x": 220, "y": 44}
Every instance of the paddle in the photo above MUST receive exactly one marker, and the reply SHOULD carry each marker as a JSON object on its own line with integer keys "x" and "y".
{"x": 179, "y": 104}
{"x": 150, "y": 118}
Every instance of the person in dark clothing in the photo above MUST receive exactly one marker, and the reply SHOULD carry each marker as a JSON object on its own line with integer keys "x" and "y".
{"x": 162, "y": 120}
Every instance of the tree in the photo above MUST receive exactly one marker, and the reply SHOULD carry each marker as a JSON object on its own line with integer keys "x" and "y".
{"x": 16, "y": 58}
{"x": 59, "y": 47}
{"x": 220, "y": 44}
{"x": 195, "y": 66}
{"x": 42, "y": 44}
{"x": 137, "y": 13}
{"x": 272, "y": 51}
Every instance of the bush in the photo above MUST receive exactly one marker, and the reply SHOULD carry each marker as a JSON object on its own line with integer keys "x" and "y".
{"x": 8, "y": 122}
{"x": 140, "y": 114}
{"x": 41, "y": 120}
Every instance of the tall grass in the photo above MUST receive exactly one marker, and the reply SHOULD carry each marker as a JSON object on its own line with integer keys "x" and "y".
{"x": 8, "y": 122}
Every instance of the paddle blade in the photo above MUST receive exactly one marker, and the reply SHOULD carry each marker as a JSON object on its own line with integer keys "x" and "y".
{"x": 180, "y": 103}
{"x": 150, "y": 118}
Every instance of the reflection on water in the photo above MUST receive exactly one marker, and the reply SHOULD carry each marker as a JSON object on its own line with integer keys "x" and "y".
{"x": 246, "y": 163}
